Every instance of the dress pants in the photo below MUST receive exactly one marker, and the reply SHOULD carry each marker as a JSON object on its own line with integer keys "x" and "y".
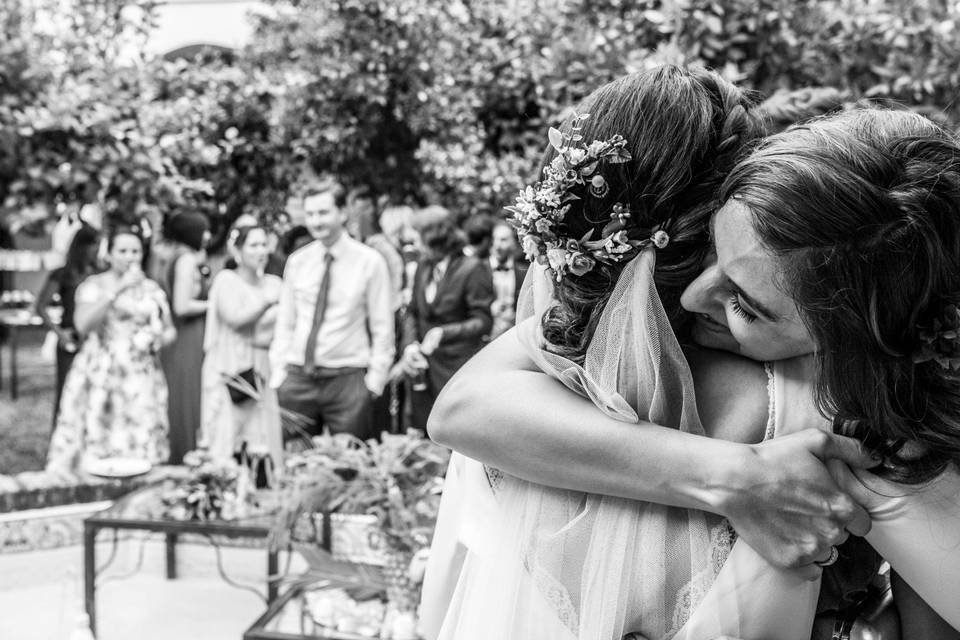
{"x": 335, "y": 399}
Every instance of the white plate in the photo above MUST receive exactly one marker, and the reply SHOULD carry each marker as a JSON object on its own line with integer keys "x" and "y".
{"x": 117, "y": 467}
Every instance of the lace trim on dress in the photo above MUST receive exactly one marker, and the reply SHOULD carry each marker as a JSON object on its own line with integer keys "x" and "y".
{"x": 771, "y": 429}
{"x": 554, "y": 593}
{"x": 689, "y": 597}
{"x": 494, "y": 476}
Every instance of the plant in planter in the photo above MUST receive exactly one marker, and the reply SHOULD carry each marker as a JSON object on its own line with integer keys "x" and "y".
{"x": 378, "y": 502}
{"x": 211, "y": 490}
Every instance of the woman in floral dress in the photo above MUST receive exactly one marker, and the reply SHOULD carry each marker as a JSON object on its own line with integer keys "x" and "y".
{"x": 114, "y": 401}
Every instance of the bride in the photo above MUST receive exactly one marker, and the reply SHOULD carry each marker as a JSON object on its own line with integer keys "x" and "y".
{"x": 570, "y": 547}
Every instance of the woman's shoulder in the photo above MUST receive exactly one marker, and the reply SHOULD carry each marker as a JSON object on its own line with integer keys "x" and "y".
{"x": 186, "y": 259}
{"x": 272, "y": 281}
{"x": 732, "y": 395}
{"x": 226, "y": 276}
{"x": 153, "y": 287}
{"x": 96, "y": 280}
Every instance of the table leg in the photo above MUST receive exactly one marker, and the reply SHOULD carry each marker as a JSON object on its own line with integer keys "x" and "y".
{"x": 171, "y": 556}
{"x": 90, "y": 573}
{"x": 14, "y": 335}
{"x": 273, "y": 579}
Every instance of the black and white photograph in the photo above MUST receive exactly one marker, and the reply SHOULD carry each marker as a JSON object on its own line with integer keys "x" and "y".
{"x": 480, "y": 319}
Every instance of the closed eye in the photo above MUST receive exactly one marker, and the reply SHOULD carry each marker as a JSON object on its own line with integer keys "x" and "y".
{"x": 740, "y": 311}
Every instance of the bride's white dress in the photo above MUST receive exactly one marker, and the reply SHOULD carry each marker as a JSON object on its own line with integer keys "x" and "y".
{"x": 916, "y": 529}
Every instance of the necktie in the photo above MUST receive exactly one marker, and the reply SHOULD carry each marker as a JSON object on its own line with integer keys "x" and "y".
{"x": 308, "y": 364}
{"x": 436, "y": 275}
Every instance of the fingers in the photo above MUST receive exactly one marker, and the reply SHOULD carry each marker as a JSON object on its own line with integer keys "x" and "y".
{"x": 860, "y": 523}
{"x": 848, "y": 450}
{"x": 810, "y": 572}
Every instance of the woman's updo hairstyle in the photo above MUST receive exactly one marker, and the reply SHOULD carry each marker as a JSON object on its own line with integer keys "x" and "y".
{"x": 685, "y": 128}
{"x": 238, "y": 235}
{"x": 863, "y": 210}
{"x": 125, "y": 230}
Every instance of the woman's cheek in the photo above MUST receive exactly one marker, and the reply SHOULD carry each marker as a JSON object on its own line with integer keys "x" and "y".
{"x": 742, "y": 332}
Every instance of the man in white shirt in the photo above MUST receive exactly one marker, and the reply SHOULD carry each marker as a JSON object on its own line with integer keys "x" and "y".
{"x": 334, "y": 340}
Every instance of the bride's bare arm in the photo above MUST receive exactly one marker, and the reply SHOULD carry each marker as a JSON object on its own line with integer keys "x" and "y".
{"x": 778, "y": 495}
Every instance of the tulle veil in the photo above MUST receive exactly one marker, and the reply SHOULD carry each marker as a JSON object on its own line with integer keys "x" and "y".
{"x": 546, "y": 563}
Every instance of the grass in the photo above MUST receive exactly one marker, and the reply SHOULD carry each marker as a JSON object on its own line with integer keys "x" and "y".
{"x": 25, "y": 423}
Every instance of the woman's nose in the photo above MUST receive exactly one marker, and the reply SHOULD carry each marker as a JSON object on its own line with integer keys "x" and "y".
{"x": 700, "y": 296}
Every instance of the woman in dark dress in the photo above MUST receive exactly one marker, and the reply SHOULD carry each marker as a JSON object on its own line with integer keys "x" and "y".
{"x": 81, "y": 262}
{"x": 185, "y": 278}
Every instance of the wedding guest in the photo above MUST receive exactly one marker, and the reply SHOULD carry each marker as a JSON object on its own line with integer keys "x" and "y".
{"x": 386, "y": 408}
{"x": 334, "y": 340}
{"x": 508, "y": 275}
{"x": 115, "y": 391}
{"x": 276, "y": 256}
{"x": 387, "y": 246}
{"x": 186, "y": 281}
{"x": 479, "y": 232}
{"x": 295, "y": 237}
{"x": 361, "y": 214}
{"x": 81, "y": 261}
{"x": 240, "y": 412}
{"x": 449, "y": 313}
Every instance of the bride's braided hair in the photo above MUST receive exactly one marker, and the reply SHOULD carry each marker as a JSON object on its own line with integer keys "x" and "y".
{"x": 685, "y": 129}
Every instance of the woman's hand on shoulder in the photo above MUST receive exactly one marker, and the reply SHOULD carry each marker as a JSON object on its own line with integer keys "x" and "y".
{"x": 783, "y": 501}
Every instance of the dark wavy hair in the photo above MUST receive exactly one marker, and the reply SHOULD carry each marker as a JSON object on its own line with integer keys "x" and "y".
{"x": 788, "y": 107}
{"x": 188, "y": 228}
{"x": 685, "y": 128}
{"x": 79, "y": 263}
{"x": 863, "y": 211}
{"x": 438, "y": 230}
{"x": 125, "y": 230}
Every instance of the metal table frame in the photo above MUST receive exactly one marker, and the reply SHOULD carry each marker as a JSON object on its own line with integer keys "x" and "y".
{"x": 172, "y": 529}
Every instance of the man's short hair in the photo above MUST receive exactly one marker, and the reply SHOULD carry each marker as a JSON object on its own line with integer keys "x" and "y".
{"x": 316, "y": 185}
{"x": 479, "y": 228}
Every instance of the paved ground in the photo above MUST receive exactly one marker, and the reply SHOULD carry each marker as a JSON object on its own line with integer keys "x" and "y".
{"x": 41, "y": 593}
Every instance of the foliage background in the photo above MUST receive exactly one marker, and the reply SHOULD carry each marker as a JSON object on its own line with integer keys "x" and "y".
{"x": 419, "y": 100}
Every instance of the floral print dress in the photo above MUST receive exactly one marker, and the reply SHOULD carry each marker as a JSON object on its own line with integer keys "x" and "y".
{"x": 114, "y": 401}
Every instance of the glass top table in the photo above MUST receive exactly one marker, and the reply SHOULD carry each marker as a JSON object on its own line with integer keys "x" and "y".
{"x": 143, "y": 510}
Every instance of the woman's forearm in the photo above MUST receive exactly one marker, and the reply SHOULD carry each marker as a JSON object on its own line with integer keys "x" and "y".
{"x": 240, "y": 317}
{"x": 42, "y": 305}
{"x": 917, "y": 618}
{"x": 778, "y": 494}
{"x": 90, "y": 315}
{"x": 917, "y": 530}
{"x": 542, "y": 432}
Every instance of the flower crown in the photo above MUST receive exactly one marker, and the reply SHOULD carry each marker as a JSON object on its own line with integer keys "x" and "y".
{"x": 540, "y": 209}
{"x": 940, "y": 341}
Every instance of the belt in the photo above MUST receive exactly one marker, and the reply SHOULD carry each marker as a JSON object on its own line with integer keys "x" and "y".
{"x": 327, "y": 372}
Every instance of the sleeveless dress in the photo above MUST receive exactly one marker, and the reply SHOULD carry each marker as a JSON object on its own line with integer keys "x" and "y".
{"x": 228, "y": 350}
{"x": 182, "y": 360}
{"x": 114, "y": 401}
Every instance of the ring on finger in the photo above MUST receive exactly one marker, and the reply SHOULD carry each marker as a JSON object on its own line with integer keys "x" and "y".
{"x": 834, "y": 555}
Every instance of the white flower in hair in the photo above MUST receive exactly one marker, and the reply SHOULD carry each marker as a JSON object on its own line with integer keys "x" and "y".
{"x": 540, "y": 209}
